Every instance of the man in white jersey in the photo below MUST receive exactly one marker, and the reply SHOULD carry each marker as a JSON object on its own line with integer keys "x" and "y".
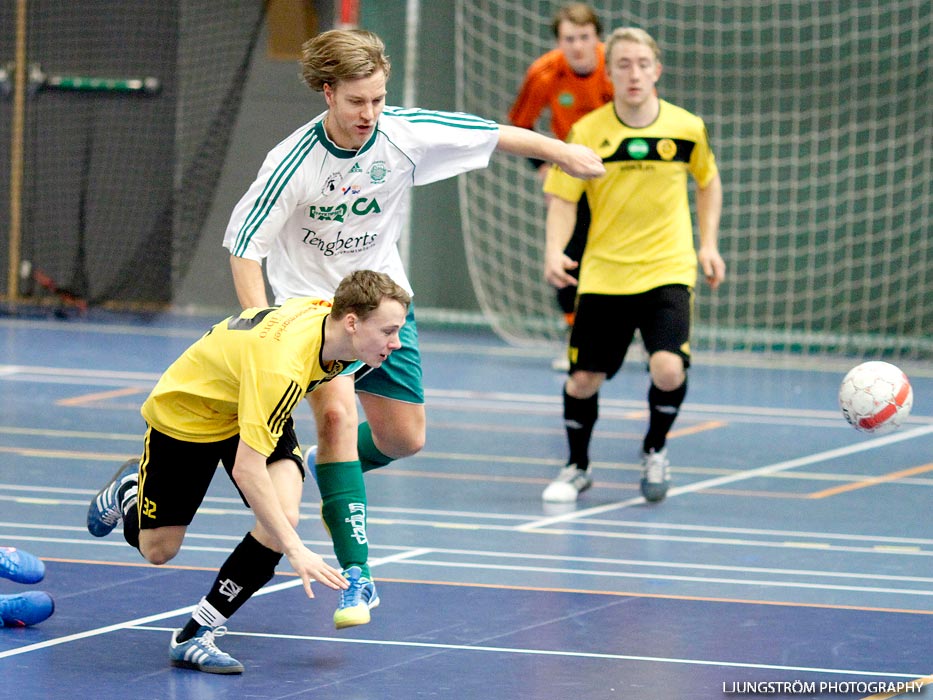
{"x": 331, "y": 198}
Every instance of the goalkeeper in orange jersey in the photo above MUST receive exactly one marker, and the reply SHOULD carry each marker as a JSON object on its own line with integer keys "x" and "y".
{"x": 639, "y": 268}
{"x": 569, "y": 82}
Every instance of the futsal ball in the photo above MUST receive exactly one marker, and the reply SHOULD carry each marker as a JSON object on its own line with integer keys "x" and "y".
{"x": 875, "y": 397}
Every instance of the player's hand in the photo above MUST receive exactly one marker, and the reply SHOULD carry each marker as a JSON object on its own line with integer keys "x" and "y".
{"x": 310, "y": 566}
{"x": 713, "y": 266}
{"x": 580, "y": 161}
{"x": 556, "y": 271}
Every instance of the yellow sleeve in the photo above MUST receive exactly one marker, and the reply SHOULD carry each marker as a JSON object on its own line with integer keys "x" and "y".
{"x": 266, "y": 401}
{"x": 702, "y": 161}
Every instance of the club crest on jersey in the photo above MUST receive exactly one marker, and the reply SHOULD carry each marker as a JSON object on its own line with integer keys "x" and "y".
{"x": 666, "y": 148}
{"x": 331, "y": 183}
{"x": 377, "y": 172}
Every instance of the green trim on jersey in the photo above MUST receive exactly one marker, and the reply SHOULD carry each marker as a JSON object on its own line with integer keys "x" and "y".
{"x": 270, "y": 193}
{"x": 460, "y": 120}
{"x": 336, "y": 150}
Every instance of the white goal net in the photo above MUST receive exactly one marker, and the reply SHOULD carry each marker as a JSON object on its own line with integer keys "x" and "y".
{"x": 820, "y": 117}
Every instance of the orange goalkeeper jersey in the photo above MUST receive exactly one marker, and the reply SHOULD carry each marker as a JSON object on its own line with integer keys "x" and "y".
{"x": 550, "y": 82}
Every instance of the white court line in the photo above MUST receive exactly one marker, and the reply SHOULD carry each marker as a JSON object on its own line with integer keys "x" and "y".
{"x": 732, "y": 478}
{"x": 180, "y": 611}
{"x": 563, "y": 653}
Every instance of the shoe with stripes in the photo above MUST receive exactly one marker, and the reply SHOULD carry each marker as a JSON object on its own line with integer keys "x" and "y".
{"x": 356, "y": 601}
{"x": 106, "y": 510}
{"x": 20, "y": 566}
{"x": 201, "y": 653}
{"x": 25, "y": 609}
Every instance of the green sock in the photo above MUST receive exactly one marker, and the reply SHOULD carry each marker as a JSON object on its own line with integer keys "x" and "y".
{"x": 370, "y": 456}
{"x": 343, "y": 507}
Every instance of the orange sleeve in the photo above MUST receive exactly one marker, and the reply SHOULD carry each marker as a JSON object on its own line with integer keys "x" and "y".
{"x": 533, "y": 96}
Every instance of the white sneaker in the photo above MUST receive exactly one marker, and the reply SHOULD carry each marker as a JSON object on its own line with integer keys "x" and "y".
{"x": 655, "y": 475}
{"x": 568, "y": 485}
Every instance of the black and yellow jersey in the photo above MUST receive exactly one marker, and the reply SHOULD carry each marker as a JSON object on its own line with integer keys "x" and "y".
{"x": 641, "y": 234}
{"x": 244, "y": 376}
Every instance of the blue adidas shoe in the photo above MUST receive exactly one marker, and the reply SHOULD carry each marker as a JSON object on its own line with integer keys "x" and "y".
{"x": 356, "y": 601}
{"x": 105, "y": 510}
{"x": 20, "y": 566}
{"x": 24, "y": 609}
{"x": 201, "y": 653}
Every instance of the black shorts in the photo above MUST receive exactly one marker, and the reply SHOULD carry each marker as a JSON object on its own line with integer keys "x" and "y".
{"x": 174, "y": 475}
{"x": 605, "y": 326}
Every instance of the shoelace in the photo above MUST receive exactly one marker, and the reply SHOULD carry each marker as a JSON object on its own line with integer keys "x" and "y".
{"x": 207, "y": 640}
{"x": 353, "y": 595}
{"x": 7, "y": 564}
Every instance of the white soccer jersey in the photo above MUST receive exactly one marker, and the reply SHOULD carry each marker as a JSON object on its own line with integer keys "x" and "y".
{"x": 317, "y": 212}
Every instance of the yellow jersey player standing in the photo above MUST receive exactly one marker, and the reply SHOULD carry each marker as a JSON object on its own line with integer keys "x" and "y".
{"x": 569, "y": 81}
{"x": 639, "y": 266}
{"x": 229, "y": 399}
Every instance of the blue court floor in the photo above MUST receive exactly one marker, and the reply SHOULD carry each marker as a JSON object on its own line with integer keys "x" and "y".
{"x": 792, "y": 555}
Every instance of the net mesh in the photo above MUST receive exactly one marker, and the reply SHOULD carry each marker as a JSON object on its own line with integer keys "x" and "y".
{"x": 819, "y": 114}
{"x": 118, "y": 183}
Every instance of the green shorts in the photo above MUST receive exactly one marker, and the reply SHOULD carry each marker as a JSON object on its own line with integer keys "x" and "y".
{"x": 400, "y": 376}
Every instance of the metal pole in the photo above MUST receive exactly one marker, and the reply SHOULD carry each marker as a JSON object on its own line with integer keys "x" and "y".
{"x": 16, "y": 153}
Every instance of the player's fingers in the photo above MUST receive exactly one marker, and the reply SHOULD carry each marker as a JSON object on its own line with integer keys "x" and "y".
{"x": 332, "y": 578}
{"x": 306, "y": 580}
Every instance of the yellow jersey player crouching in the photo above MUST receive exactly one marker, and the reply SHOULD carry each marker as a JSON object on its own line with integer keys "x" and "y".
{"x": 229, "y": 399}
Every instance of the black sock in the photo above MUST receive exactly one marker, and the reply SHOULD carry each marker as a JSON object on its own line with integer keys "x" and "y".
{"x": 127, "y": 498}
{"x": 663, "y": 407}
{"x": 579, "y": 418}
{"x": 188, "y": 631}
{"x": 248, "y": 568}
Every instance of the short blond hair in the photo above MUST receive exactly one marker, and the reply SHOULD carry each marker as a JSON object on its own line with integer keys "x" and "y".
{"x": 342, "y": 54}
{"x": 636, "y": 36}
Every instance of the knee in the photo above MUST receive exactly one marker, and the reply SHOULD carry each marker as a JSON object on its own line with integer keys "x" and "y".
{"x": 157, "y": 553}
{"x": 160, "y": 545}
{"x": 412, "y": 443}
{"x": 335, "y": 422}
{"x": 667, "y": 370}
{"x": 404, "y": 441}
{"x": 583, "y": 385}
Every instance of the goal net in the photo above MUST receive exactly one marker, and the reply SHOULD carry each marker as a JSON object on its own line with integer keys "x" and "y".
{"x": 128, "y": 115}
{"x": 820, "y": 118}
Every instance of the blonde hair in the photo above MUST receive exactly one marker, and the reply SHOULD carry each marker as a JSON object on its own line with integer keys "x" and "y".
{"x": 635, "y": 35}
{"x": 342, "y": 54}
